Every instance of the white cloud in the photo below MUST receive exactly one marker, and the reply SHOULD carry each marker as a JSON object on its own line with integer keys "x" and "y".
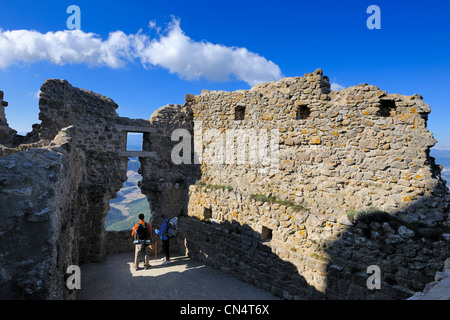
{"x": 193, "y": 60}
{"x": 63, "y": 47}
{"x": 174, "y": 51}
{"x": 336, "y": 86}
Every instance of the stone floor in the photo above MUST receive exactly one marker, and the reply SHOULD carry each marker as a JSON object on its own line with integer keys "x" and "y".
{"x": 183, "y": 279}
{"x": 188, "y": 279}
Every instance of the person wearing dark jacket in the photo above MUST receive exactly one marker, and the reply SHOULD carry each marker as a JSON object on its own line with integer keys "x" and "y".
{"x": 165, "y": 239}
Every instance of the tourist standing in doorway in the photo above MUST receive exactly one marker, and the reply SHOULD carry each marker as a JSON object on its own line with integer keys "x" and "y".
{"x": 143, "y": 235}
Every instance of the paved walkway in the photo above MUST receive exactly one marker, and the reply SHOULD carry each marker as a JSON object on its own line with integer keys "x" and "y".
{"x": 183, "y": 279}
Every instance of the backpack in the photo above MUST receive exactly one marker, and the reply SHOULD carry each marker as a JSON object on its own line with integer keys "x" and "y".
{"x": 172, "y": 227}
{"x": 143, "y": 232}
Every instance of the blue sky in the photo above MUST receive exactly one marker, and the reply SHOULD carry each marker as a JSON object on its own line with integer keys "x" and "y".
{"x": 226, "y": 45}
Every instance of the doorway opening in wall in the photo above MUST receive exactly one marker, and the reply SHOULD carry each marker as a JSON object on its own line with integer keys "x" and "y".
{"x": 129, "y": 202}
{"x": 135, "y": 141}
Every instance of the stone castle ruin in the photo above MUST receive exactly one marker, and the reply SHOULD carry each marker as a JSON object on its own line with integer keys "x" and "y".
{"x": 348, "y": 183}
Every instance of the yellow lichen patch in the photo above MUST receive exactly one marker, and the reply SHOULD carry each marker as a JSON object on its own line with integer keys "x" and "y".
{"x": 315, "y": 140}
{"x": 404, "y": 117}
{"x": 302, "y": 233}
{"x": 406, "y": 199}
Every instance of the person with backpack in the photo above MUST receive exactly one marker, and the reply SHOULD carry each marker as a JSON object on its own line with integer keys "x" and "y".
{"x": 142, "y": 234}
{"x": 167, "y": 231}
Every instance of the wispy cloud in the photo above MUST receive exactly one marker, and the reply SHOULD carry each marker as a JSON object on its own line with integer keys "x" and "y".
{"x": 336, "y": 86}
{"x": 172, "y": 50}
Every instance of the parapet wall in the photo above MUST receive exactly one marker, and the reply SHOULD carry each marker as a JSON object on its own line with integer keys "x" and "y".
{"x": 351, "y": 149}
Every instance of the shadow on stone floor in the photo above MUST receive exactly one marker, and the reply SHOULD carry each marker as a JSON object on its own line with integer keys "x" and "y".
{"x": 183, "y": 279}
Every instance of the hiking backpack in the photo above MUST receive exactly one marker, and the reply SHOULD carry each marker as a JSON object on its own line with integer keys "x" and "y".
{"x": 143, "y": 232}
{"x": 172, "y": 227}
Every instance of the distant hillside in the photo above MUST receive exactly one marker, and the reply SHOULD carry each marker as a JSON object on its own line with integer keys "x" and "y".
{"x": 129, "y": 203}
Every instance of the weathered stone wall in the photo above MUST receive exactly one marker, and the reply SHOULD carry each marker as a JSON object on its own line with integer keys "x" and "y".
{"x": 163, "y": 182}
{"x": 439, "y": 288}
{"x": 39, "y": 221}
{"x": 103, "y": 171}
{"x": 358, "y": 147}
{"x": 7, "y": 134}
{"x": 354, "y": 186}
{"x": 55, "y": 191}
{"x": 85, "y": 140}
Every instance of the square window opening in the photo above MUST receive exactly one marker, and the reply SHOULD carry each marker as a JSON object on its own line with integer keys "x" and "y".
{"x": 386, "y": 106}
{"x": 135, "y": 141}
{"x": 303, "y": 112}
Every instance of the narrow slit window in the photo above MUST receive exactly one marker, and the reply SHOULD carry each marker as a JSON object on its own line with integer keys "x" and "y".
{"x": 207, "y": 213}
{"x": 303, "y": 112}
{"x": 239, "y": 113}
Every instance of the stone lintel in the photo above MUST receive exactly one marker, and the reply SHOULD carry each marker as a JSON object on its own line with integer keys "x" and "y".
{"x": 139, "y": 154}
{"x": 135, "y": 128}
